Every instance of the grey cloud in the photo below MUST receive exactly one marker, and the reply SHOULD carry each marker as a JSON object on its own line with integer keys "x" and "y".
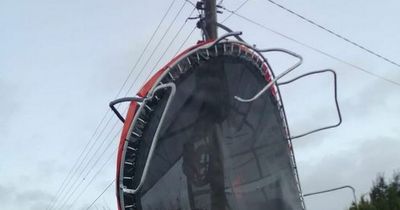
{"x": 11, "y": 197}
{"x": 33, "y": 196}
{"x": 8, "y": 102}
{"x": 6, "y": 192}
{"x": 39, "y": 206}
{"x": 374, "y": 97}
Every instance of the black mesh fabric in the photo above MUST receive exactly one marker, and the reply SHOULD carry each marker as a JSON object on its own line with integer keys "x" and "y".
{"x": 214, "y": 152}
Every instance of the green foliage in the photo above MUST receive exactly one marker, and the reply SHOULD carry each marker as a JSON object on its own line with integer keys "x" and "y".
{"x": 382, "y": 196}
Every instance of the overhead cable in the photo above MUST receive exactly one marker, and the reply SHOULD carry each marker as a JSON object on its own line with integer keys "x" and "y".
{"x": 167, "y": 48}
{"x": 235, "y": 10}
{"x": 105, "y": 189}
{"x": 76, "y": 166}
{"x": 110, "y": 157}
{"x": 184, "y": 42}
{"x": 146, "y": 47}
{"x": 77, "y": 186}
{"x": 72, "y": 189}
{"x": 69, "y": 177}
{"x": 313, "y": 48}
{"x": 335, "y": 34}
{"x": 157, "y": 45}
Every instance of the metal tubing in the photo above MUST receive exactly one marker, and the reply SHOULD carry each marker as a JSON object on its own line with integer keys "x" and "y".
{"x": 334, "y": 189}
{"x": 120, "y": 100}
{"x": 155, "y": 138}
{"x": 234, "y": 33}
{"x": 229, "y": 30}
{"x": 336, "y": 100}
{"x": 272, "y": 82}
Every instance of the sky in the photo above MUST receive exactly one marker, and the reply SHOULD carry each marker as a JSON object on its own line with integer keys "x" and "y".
{"x": 62, "y": 62}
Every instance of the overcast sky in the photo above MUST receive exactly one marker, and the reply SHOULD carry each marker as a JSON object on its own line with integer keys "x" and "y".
{"x": 61, "y": 62}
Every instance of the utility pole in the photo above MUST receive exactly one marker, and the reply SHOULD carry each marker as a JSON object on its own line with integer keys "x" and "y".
{"x": 210, "y": 19}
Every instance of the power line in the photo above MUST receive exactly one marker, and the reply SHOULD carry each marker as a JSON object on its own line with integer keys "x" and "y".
{"x": 82, "y": 161}
{"x": 118, "y": 94}
{"x": 107, "y": 206}
{"x": 69, "y": 177}
{"x": 235, "y": 10}
{"x": 108, "y": 186}
{"x": 313, "y": 48}
{"x": 169, "y": 45}
{"x": 184, "y": 42}
{"x": 190, "y": 2}
{"x": 72, "y": 189}
{"x": 147, "y": 46}
{"x": 96, "y": 174}
{"x": 158, "y": 44}
{"x": 78, "y": 168}
{"x": 62, "y": 196}
{"x": 335, "y": 34}
{"x": 62, "y": 186}
{"x": 126, "y": 93}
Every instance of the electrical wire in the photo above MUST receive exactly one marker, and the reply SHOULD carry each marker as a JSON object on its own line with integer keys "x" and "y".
{"x": 190, "y": 2}
{"x": 96, "y": 174}
{"x": 106, "y": 204}
{"x": 235, "y": 10}
{"x": 147, "y": 46}
{"x": 72, "y": 189}
{"x": 335, "y": 34}
{"x": 169, "y": 45}
{"x": 184, "y": 42}
{"x": 63, "y": 184}
{"x": 81, "y": 162}
{"x": 95, "y": 163}
{"x": 128, "y": 91}
{"x": 108, "y": 186}
{"x": 313, "y": 48}
{"x": 69, "y": 176}
{"x": 157, "y": 45}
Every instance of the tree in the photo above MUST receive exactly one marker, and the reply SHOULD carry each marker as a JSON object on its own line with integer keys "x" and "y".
{"x": 382, "y": 196}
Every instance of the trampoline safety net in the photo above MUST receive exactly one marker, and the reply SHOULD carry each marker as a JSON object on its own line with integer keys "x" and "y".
{"x": 213, "y": 152}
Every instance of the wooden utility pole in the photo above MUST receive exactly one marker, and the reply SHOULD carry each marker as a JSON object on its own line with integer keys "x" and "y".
{"x": 210, "y": 19}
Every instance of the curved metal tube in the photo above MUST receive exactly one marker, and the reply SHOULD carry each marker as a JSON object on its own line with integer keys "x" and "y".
{"x": 334, "y": 189}
{"x": 229, "y": 31}
{"x": 120, "y": 100}
{"x": 234, "y": 33}
{"x": 272, "y": 82}
{"x": 155, "y": 138}
{"x": 336, "y": 100}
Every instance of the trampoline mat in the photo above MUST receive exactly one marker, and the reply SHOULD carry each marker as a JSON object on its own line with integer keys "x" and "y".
{"x": 214, "y": 152}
